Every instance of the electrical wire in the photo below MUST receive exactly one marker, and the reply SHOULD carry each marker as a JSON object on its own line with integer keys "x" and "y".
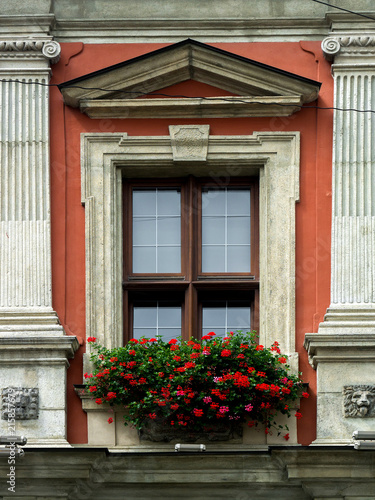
{"x": 345, "y": 10}
{"x": 204, "y": 98}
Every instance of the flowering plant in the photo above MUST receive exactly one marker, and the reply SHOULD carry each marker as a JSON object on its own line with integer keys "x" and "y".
{"x": 197, "y": 383}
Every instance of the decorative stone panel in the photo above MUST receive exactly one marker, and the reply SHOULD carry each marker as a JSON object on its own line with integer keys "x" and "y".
{"x": 359, "y": 400}
{"x": 20, "y": 403}
{"x": 189, "y": 142}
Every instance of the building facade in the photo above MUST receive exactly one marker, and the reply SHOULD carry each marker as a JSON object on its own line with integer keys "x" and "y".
{"x": 102, "y": 99}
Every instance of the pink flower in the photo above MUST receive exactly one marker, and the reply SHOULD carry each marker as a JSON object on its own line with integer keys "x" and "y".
{"x": 207, "y": 399}
{"x": 249, "y": 407}
{"x": 223, "y": 409}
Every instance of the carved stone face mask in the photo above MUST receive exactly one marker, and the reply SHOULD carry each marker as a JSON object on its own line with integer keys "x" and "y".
{"x": 362, "y": 400}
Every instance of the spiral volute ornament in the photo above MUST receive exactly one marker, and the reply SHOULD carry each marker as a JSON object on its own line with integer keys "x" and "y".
{"x": 330, "y": 47}
{"x": 51, "y": 50}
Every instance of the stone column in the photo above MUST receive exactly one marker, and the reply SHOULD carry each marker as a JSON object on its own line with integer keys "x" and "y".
{"x": 343, "y": 351}
{"x": 33, "y": 344}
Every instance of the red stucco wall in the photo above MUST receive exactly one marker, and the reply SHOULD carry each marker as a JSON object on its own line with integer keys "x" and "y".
{"x": 313, "y": 212}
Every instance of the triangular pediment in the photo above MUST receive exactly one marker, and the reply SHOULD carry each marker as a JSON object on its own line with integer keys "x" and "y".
{"x": 123, "y": 85}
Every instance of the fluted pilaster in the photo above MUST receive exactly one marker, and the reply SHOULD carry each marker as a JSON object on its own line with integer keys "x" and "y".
{"x": 353, "y": 189}
{"x": 343, "y": 350}
{"x": 25, "y": 233}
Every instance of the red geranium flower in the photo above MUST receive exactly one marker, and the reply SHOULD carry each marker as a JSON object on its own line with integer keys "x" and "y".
{"x": 225, "y": 353}
{"x": 91, "y": 339}
{"x": 110, "y": 420}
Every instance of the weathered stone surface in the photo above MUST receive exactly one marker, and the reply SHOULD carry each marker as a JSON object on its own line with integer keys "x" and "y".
{"x": 20, "y": 403}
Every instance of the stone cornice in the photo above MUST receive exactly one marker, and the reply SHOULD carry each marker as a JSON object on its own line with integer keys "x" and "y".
{"x": 35, "y": 47}
{"x": 349, "y": 45}
{"x": 343, "y": 348}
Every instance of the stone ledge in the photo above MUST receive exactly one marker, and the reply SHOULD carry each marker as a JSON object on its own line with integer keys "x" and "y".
{"x": 286, "y": 474}
{"x": 342, "y": 347}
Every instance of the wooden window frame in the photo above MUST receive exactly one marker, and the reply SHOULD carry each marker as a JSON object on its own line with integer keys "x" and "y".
{"x": 191, "y": 283}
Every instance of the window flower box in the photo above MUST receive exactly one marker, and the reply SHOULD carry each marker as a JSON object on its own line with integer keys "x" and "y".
{"x": 195, "y": 388}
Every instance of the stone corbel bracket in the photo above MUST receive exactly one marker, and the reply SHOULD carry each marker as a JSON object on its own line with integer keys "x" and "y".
{"x": 348, "y": 45}
{"x": 30, "y": 48}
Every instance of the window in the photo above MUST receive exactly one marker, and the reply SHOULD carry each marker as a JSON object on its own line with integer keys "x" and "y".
{"x": 190, "y": 257}
{"x": 109, "y": 159}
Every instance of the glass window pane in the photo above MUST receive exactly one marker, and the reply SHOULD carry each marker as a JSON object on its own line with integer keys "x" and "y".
{"x": 156, "y": 223}
{"x": 158, "y": 319}
{"x": 169, "y": 316}
{"x": 224, "y": 317}
{"x": 168, "y": 201}
{"x": 144, "y": 332}
{"x": 169, "y": 260}
{"x": 213, "y": 259}
{"x": 144, "y": 231}
{"x": 213, "y": 317}
{"x": 169, "y": 333}
{"x": 220, "y": 332}
{"x": 144, "y": 260}
{"x": 238, "y": 201}
{"x": 144, "y": 202}
{"x": 238, "y": 318}
{"x": 213, "y": 202}
{"x": 226, "y": 222}
{"x": 213, "y": 230}
{"x": 145, "y": 316}
{"x": 238, "y": 230}
{"x": 238, "y": 259}
{"x": 169, "y": 231}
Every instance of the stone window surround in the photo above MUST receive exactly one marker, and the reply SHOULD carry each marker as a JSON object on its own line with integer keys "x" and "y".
{"x": 108, "y": 157}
